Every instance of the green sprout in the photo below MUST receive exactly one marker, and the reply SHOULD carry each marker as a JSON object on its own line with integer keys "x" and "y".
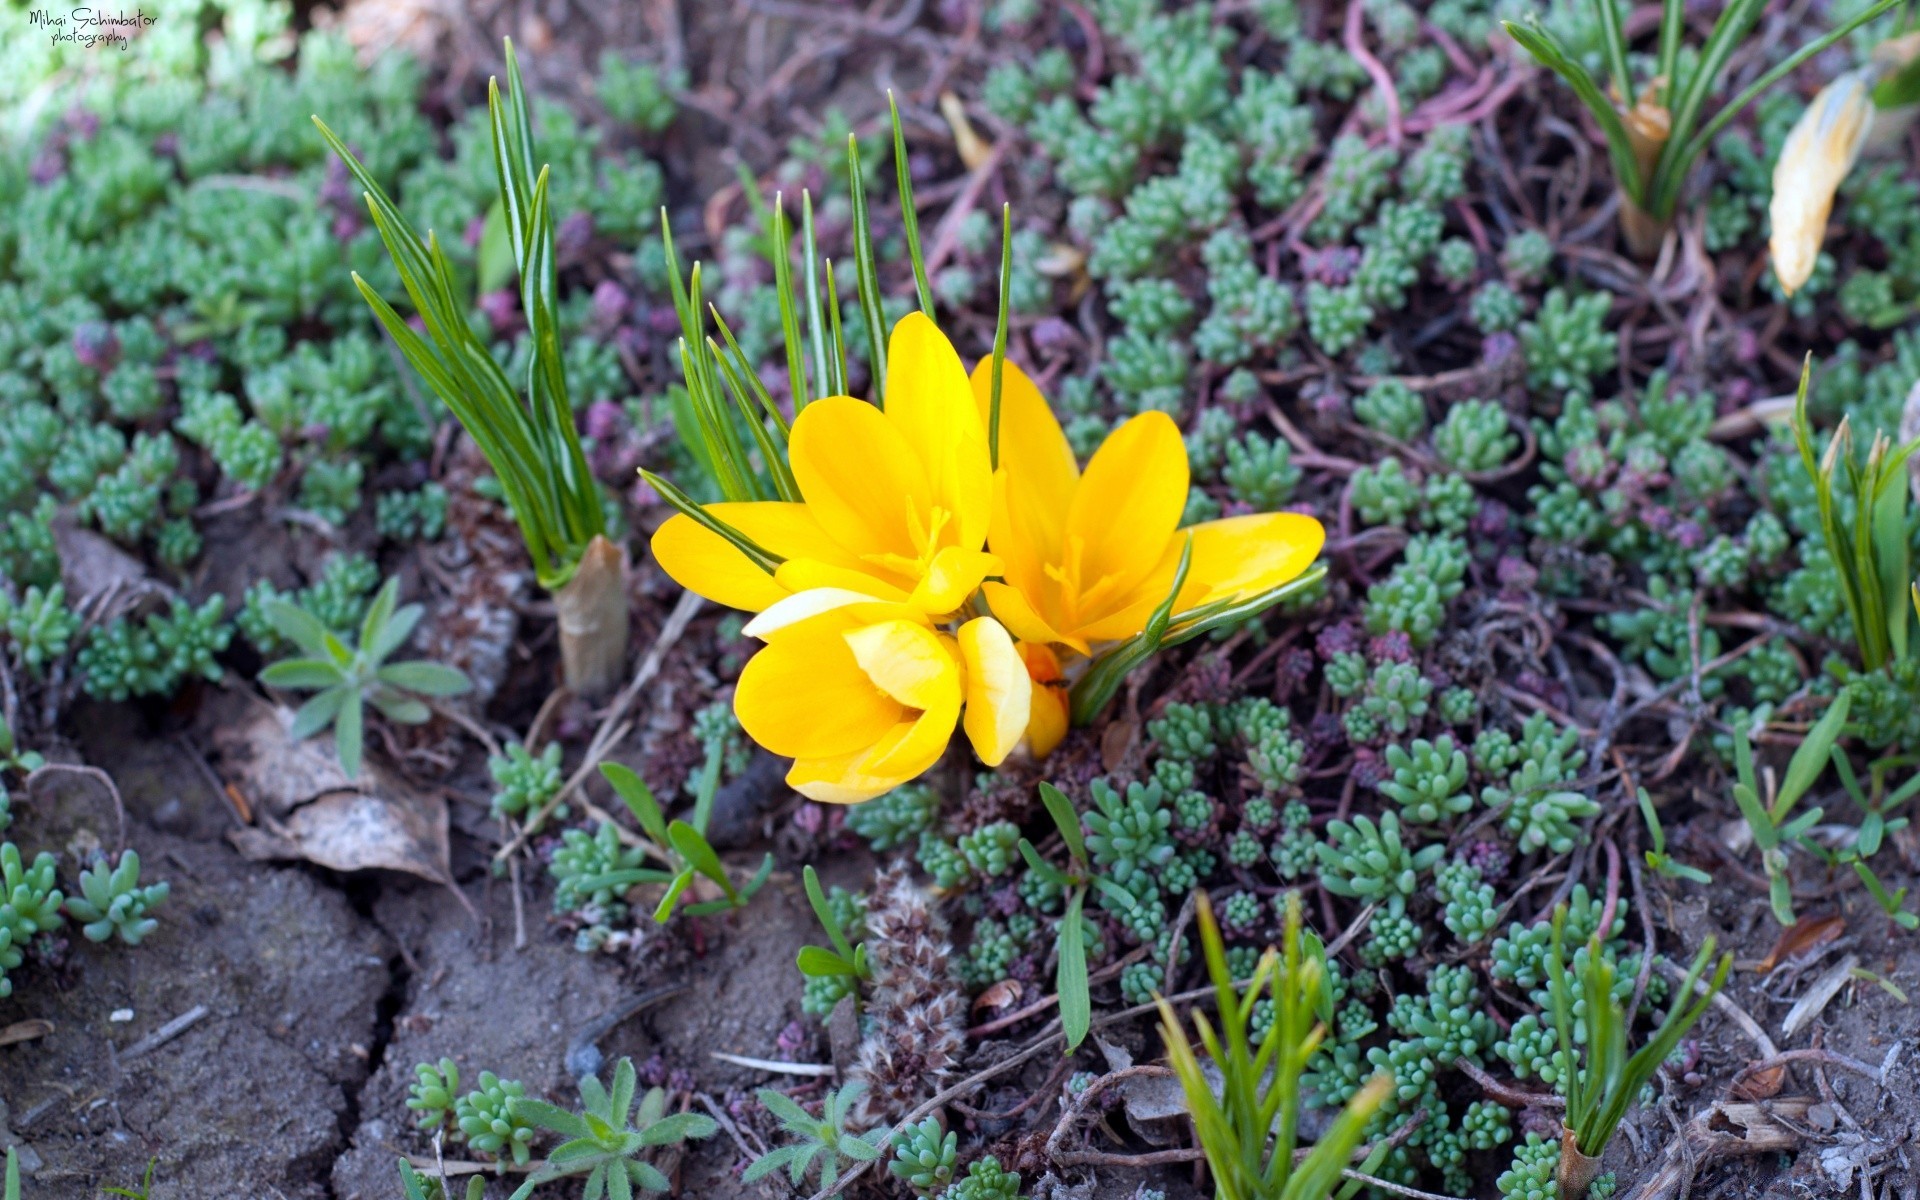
{"x": 1599, "y": 1089}
{"x": 12, "y": 1190}
{"x": 143, "y": 1191}
{"x": 823, "y": 1139}
{"x": 845, "y": 959}
{"x": 349, "y": 679}
{"x": 1249, "y": 1127}
{"x": 533, "y": 448}
{"x": 113, "y": 902}
{"x": 1870, "y": 551}
{"x": 1655, "y": 133}
{"x": 681, "y": 845}
{"x": 1070, "y": 973}
{"x": 1889, "y": 904}
{"x": 1658, "y": 858}
{"x": 1772, "y": 828}
{"x": 605, "y": 1139}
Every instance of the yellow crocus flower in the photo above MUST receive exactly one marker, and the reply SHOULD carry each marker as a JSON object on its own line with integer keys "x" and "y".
{"x": 864, "y": 694}
{"x": 1086, "y": 558}
{"x": 894, "y": 504}
{"x": 1815, "y": 158}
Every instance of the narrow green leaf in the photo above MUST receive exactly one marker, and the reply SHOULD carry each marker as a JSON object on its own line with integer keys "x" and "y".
{"x": 1070, "y": 980}
{"x": 867, "y": 276}
{"x": 1066, "y": 820}
{"x": 1000, "y": 334}
{"x": 909, "y": 215}
{"x": 638, "y": 797}
{"x": 818, "y": 962}
{"x": 1811, "y": 758}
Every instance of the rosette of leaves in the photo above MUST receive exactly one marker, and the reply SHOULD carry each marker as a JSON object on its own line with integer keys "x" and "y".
{"x": 349, "y": 679}
{"x": 606, "y": 1138}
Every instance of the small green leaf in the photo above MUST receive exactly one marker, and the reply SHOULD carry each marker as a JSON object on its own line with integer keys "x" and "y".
{"x": 820, "y": 961}
{"x": 427, "y": 678}
{"x": 302, "y": 673}
{"x": 1070, "y": 979}
{"x": 638, "y": 797}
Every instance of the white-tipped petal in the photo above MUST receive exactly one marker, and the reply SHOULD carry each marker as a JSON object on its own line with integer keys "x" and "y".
{"x": 1816, "y": 157}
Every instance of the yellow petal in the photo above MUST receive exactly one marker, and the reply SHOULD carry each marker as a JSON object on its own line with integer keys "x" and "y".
{"x": 1017, "y": 613}
{"x": 705, "y": 563}
{"x": 931, "y": 404}
{"x": 805, "y": 605}
{"x": 805, "y": 574}
{"x": 1244, "y": 556}
{"x": 907, "y": 662}
{"x": 999, "y": 692}
{"x": 903, "y": 754}
{"x": 951, "y": 577}
{"x": 1129, "y": 502}
{"x": 1038, "y": 473}
{"x": 859, "y": 476}
{"x": 1813, "y": 161}
{"x": 804, "y": 695}
{"x": 1048, "y": 699}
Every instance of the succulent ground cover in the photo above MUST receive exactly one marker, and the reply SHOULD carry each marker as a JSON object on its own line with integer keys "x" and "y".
{"x": 1609, "y": 663}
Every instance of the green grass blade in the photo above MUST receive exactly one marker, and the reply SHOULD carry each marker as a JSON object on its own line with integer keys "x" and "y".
{"x": 1000, "y": 334}
{"x": 783, "y": 482}
{"x": 909, "y": 214}
{"x": 816, "y": 324}
{"x": 1070, "y": 979}
{"x": 838, "y": 359}
{"x": 1615, "y": 42}
{"x": 1547, "y": 51}
{"x": 867, "y": 276}
{"x": 778, "y": 245}
{"x": 684, "y": 504}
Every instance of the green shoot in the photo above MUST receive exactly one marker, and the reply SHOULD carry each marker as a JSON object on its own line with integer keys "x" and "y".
{"x": 681, "y": 845}
{"x": 1875, "y": 825}
{"x": 348, "y": 679}
{"x": 140, "y": 1193}
{"x": 1602, "y": 1081}
{"x": 1658, "y": 858}
{"x": 1889, "y": 904}
{"x": 12, "y": 1190}
{"x": 606, "y": 1139}
{"x": 533, "y": 447}
{"x": 1070, "y": 972}
{"x": 823, "y": 1139}
{"x": 1769, "y": 820}
{"x": 1248, "y": 1124}
{"x": 845, "y": 958}
{"x": 1869, "y": 551}
{"x": 1656, "y": 132}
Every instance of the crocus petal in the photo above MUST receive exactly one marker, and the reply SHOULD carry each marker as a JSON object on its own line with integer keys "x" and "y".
{"x": 907, "y": 662}
{"x": 805, "y": 605}
{"x": 931, "y": 404}
{"x": 1037, "y": 473}
{"x": 1048, "y": 699}
{"x": 951, "y": 577}
{"x": 805, "y": 574}
{"x": 804, "y": 695}
{"x": 1129, "y": 502}
{"x": 859, "y": 476}
{"x": 705, "y": 563}
{"x": 1017, "y": 613}
{"x": 1241, "y": 557}
{"x": 1813, "y": 161}
{"x": 904, "y": 753}
{"x": 999, "y": 691}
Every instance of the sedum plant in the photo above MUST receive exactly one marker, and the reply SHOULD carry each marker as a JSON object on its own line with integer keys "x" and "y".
{"x": 606, "y": 1138}
{"x": 1655, "y": 132}
{"x": 1248, "y": 1125}
{"x": 533, "y": 447}
{"x": 113, "y": 902}
{"x": 1602, "y": 1081}
{"x": 347, "y": 679}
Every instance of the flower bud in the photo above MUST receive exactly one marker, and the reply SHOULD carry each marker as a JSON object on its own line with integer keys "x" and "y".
{"x": 1817, "y": 155}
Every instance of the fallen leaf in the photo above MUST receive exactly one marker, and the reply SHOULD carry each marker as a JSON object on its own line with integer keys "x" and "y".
{"x": 1004, "y": 994}
{"x": 25, "y": 1031}
{"x": 1801, "y": 936}
{"x": 973, "y": 149}
{"x": 309, "y": 810}
{"x": 1761, "y": 1085}
{"x": 1116, "y": 742}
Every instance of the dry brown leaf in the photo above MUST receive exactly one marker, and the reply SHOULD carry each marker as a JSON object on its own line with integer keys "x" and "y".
{"x": 310, "y": 810}
{"x": 25, "y": 1031}
{"x": 1800, "y": 937}
{"x": 1004, "y": 994}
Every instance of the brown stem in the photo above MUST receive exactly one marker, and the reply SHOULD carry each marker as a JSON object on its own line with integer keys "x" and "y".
{"x": 1642, "y": 230}
{"x": 592, "y": 608}
{"x": 1577, "y": 1170}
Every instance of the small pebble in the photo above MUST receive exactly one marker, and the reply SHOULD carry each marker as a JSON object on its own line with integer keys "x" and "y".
{"x": 120, "y": 1016}
{"x": 1822, "y": 1117}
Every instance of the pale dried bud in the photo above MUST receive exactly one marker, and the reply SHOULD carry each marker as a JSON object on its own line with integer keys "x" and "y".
{"x": 1816, "y": 157}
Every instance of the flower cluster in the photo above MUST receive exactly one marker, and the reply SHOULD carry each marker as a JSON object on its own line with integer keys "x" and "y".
{"x": 950, "y": 564}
